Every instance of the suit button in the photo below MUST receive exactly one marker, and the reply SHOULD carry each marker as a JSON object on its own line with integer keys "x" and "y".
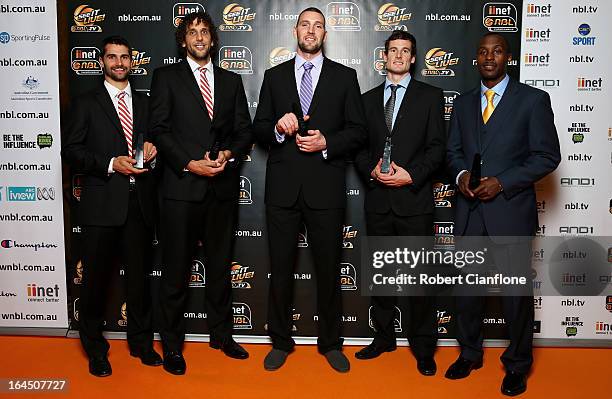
{"x": 482, "y": 161}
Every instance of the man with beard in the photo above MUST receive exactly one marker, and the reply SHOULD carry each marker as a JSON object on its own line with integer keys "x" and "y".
{"x": 198, "y": 109}
{"x": 408, "y": 115}
{"x": 517, "y": 144}
{"x": 118, "y": 203}
{"x": 305, "y": 180}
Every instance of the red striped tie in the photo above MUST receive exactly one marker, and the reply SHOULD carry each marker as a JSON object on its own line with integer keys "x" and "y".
{"x": 205, "y": 89}
{"x": 126, "y": 120}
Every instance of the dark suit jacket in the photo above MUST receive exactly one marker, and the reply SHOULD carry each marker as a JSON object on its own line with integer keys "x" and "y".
{"x": 92, "y": 135}
{"x": 518, "y": 145}
{"x": 419, "y": 145}
{"x": 181, "y": 129}
{"x": 336, "y": 110}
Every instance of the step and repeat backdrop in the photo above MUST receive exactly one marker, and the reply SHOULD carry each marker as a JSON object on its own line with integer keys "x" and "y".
{"x": 557, "y": 46}
{"x": 32, "y": 263}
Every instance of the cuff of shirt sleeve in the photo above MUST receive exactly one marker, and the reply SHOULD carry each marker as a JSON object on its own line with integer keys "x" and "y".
{"x": 110, "y": 166}
{"x": 279, "y": 137}
{"x": 459, "y": 176}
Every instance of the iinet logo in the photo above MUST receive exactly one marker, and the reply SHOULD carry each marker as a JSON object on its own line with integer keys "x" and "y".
{"x": 38, "y": 293}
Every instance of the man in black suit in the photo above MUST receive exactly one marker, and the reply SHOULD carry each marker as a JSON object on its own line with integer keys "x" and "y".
{"x": 409, "y": 115}
{"x": 118, "y": 203}
{"x": 511, "y": 126}
{"x": 198, "y": 109}
{"x": 305, "y": 180}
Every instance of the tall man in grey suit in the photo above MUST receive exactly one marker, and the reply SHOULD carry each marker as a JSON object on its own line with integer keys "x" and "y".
{"x": 511, "y": 126}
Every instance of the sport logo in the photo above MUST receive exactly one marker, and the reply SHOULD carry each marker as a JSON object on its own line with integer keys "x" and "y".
{"x": 443, "y": 193}
{"x": 443, "y": 320}
{"x": 78, "y": 269}
{"x": 85, "y": 61}
{"x": 86, "y": 19}
{"x": 239, "y": 274}
{"x": 279, "y": 55}
{"x": 77, "y": 186}
{"x": 444, "y": 234}
{"x": 438, "y": 62}
{"x": 235, "y": 17}
{"x": 609, "y": 303}
{"x": 500, "y": 17}
{"x": 379, "y": 61}
{"x": 348, "y": 277}
{"x": 242, "y": 316}
{"x": 197, "y": 279}
{"x": 303, "y": 237}
{"x": 44, "y": 140}
{"x": 349, "y": 233}
{"x": 343, "y": 16}
{"x": 181, "y": 9}
{"x": 390, "y": 18}
{"x": 584, "y": 30}
{"x": 244, "y": 197}
{"x": 238, "y": 59}
{"x": 139, "y": 59}
{"x": 449, "y": 101}
{"x": 397, "y": 319}
{"x": 123, "y": 312}
{"x": 5, "y": 37}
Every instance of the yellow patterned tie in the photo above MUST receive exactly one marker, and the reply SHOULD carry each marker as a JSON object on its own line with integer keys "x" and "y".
{"x": 490, "y": 107}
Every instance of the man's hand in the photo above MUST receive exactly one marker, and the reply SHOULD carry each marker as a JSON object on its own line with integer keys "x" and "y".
{"x": 464, "y": 182}
{"x": 288, "y": 124}
{"x": 488, "y": 188}
{"x": 123, "y": 164}
{"x": 314, "y": 142}
{"x": 205, "y": 167}
{"x": 149, "y": 151}
{"x": 397, "y": 176}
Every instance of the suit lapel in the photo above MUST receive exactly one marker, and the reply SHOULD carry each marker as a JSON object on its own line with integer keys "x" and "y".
{"x": 325, "y": 79}
{"x": 189, "y": 81}
{"x": 137, "y": 110}
{"x": 106, "y": 103}
{"x": 477, "y": 118}
{"x": 289, "y": 73}
{"x": 379, "y": 108}
{"x": 218, "y": 84}
{"x": 500, "y": 114}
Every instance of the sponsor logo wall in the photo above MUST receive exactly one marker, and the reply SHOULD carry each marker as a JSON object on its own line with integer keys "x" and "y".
{"x": 33, "y": 290}
{"x": 557, "y": 46}
{"x": 563, "y": 52}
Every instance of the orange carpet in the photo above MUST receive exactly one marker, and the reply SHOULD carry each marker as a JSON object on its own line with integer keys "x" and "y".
{"x": 557, "y": 373}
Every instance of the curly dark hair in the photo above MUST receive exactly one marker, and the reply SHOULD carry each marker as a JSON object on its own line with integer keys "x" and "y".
{"x": 197, "y": 17}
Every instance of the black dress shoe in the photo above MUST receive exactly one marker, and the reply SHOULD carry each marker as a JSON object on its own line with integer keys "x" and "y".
{"x": 99, "y": 366}
{"x": 462, "y": 368}
{"x": 514, "y": 384}
{"x": 231, "y": 349}
{"x": 427, "y": 366}
{"x": 148, "y": 357}
{"x": 373, "y": 350}
{"x": 174, "y": 363}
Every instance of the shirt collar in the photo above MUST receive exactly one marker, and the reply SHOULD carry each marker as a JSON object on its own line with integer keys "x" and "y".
{"x": 499, "y": 88}
{"x": 195, "y": 66}
{"x": 403, "y": 83}
{"x": 317, "y": 61}
{"x": 113, "y": 91}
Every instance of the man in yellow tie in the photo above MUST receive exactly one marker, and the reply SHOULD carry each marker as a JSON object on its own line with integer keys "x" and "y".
{"x": 517, "y": 144}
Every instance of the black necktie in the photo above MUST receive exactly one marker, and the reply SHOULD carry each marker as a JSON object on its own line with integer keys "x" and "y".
{"x": 389, "y": 106}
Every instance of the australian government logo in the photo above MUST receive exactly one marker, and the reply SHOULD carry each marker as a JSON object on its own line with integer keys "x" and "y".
{"x": 179, "y": 10}
{"x": 85, "y": 61}
{"x": 236, "y": 18}
{"x": 343, "y": 16}
{"x": 238, "y": 59}
{"x": 392, "y": 17}
{"x": 438, "y": 62}
{"x": 278, "y": 55}
{"x": 87, "y": 19}
{"x": 500, "y": 17}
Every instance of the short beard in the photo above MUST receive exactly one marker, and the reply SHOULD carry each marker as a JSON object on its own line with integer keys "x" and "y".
{"x": 315, "y": 50}
{"x": 109, "y": 72}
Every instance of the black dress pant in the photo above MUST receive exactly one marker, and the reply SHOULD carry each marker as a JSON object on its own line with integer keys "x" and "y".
{"x": 133, "y": 241}
{"x": 184, "y": 223}
{"x": 421, "y": 321}
{"x": 324, "y": 228}
{"x": 518, "y": 310}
